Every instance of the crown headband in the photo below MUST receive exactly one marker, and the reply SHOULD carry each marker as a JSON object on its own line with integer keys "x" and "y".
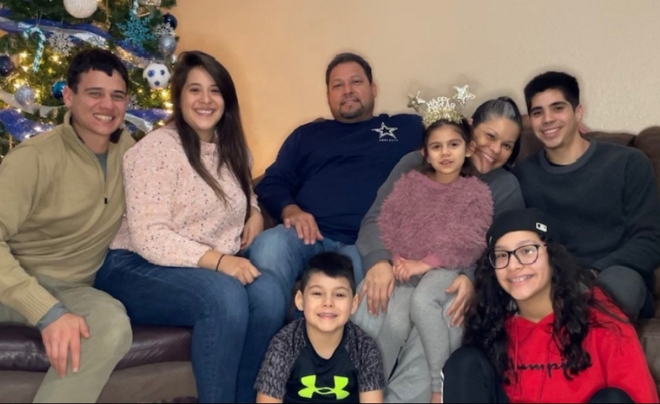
{"x": 440, "y": 107}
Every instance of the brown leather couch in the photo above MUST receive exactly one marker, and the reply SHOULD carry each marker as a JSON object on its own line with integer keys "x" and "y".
{"x": 157, "y": 368}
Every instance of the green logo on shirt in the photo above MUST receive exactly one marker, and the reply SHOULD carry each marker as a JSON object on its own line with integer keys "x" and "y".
{"x": 310, "y": 387}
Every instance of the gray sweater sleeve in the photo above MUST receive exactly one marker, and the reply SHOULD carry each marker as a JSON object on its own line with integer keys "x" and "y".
{"x": 53, "y": 314}
{"x": 505, "y": 189}
{"x": 369, "y": 243}
{"x": 506, "y": 193}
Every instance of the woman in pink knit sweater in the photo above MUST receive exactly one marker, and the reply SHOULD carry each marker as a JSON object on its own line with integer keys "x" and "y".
{"x": 434, "y": 224}
{"x": 190, "y": 208}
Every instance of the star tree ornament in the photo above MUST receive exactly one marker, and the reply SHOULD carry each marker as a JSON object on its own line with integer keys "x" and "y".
{"x": 81, "y": 8}
{"x": 463, "y": 94}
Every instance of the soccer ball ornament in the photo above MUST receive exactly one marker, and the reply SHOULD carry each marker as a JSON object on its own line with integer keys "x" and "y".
{"x": 157, "y": 75}
{"x": 81, "y": 8}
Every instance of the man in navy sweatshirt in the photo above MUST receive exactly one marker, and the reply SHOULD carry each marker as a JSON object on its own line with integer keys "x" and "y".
{"x": 326, "y": 176}
{"x": 605, "y": 195}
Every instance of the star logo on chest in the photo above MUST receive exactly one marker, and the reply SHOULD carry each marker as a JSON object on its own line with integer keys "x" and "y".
{"x": 385, "y": 133}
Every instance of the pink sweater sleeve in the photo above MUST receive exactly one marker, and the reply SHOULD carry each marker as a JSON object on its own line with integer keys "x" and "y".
{"x": 253, "y": 199}
{"x": 150, "y": 177}
{"x": 433, "y": 260}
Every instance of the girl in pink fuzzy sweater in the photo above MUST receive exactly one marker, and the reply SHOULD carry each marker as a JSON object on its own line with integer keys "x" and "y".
{"x": 434, "y": 224}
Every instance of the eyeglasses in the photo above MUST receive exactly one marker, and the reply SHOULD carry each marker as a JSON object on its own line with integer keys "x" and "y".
{"x": 526, "y": 255}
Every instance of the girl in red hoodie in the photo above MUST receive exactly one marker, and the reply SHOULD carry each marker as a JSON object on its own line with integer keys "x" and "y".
{"x": 539, "y": 331}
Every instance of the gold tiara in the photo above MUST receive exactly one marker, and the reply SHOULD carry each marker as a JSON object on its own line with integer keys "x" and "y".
{"x": 440, "y": 107}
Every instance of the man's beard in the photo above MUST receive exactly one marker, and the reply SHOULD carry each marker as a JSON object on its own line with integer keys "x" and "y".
{"x": 356, "y": 113}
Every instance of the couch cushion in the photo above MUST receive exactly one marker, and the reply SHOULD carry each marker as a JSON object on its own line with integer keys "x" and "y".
{"x": 648, "y": 141}
{"x": 649, "y": 334}
{"x": 529, "y": 144}
{"x": 21, "y": 348}
{"x": 622, "y": 138}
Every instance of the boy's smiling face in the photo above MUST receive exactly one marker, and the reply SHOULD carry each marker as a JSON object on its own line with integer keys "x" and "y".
{"x": 326, "y": 302}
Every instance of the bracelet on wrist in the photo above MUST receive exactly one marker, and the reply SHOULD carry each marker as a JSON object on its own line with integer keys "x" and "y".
{"x": 217, "y": 266}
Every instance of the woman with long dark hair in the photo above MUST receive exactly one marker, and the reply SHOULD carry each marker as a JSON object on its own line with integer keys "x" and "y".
{"x": 538, "y": 330}
{"x": 190, "y": 209}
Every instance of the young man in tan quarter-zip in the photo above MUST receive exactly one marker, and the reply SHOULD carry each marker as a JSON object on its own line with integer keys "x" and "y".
{"x": 62, "y": 200}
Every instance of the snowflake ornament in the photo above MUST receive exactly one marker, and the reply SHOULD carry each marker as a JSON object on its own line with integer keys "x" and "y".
{"x": 61, "y": 43}
{"x": 133, "y": 102}
{"x": 97, "y": 40}
{"x": 136, "y": 31}
{"x": 164, "y": 29}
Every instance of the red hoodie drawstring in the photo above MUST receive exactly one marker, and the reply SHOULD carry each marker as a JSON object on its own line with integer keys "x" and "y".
{"x": 515, "y": 356}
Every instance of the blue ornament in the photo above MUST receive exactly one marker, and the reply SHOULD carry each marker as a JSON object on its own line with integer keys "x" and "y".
{"x": 170, "y": 19}
{"x": 58, "y": 89}
{"x": 6, "y": 66}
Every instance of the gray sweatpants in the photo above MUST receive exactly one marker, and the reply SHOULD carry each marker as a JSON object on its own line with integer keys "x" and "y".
{"x": 420, "y": 304}
{"x": 409, "y": 382}
{"x": 423, "y": 303}
{"x": 627, "y": 287}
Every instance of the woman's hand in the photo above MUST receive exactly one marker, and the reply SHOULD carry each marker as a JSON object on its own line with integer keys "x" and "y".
{"x": 252, "y": 228}
{"x": 464, "y": 290}
{"x": 240, "y": 268}
{"x": 377, "y": 287}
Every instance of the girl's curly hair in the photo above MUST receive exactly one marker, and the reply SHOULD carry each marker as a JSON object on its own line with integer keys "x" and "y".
{"x": 572, "y": 298}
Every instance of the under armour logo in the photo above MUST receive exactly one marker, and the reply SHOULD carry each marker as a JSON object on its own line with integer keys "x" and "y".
{"x": 310, "y": 387}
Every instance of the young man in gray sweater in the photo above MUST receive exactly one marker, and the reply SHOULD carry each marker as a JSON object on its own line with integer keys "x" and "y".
{"x": 604, "y": 195}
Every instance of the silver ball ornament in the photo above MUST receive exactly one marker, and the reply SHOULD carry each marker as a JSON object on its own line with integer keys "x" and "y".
{"x": 167, "y": 44}
{"x": 25, "y": 96}
{"x": 81, "y": 8}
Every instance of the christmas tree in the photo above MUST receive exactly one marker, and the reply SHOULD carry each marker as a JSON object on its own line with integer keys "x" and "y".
{"x": 43, "y": 35}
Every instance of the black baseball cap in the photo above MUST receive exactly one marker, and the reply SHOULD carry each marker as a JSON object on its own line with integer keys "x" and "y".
{"x": 530, "y": 219}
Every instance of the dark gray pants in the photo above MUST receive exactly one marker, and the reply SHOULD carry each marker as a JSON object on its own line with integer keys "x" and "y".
{"x": 628, "y": 289}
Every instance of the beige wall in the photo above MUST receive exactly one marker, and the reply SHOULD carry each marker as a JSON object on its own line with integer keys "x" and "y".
{"x": 277, "y": 51}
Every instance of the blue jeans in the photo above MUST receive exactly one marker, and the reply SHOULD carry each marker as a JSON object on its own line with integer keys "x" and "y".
{"x": 230, "y": 329}
{"x": 279, "y": 253}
